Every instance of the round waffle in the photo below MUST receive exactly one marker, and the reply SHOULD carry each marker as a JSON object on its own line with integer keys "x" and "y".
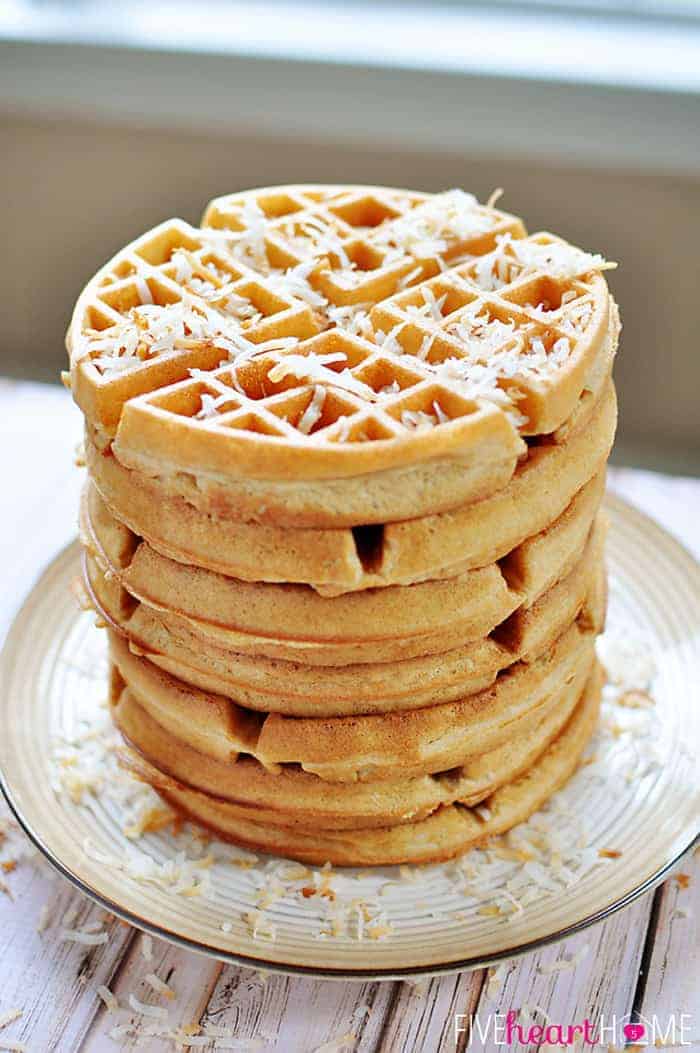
{"x": 324, "y": 356}
{"x": 296, "y": 689}
{"x": 448, "y": 831}
{"x": 365, "y": 748}
{"x": 335, "y": 561}
{"x": 293, "y": 622}
{"x": 293, "y": 797}
{"x": 374, "y": 625}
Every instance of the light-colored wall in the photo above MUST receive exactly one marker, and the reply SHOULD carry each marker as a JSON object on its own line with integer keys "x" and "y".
{"x": 75, "y": 192}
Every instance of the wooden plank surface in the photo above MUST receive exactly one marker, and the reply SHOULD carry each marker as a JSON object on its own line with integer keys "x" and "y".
{"x": 670, "y": 982}
{"x": 644, "y": 960}
{"x": 299, "y": 1014}
{"x": 545, "y": 988}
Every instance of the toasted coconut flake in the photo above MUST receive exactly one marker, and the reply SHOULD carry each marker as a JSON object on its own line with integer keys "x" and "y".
{"x": 184, "y": 1041}
{"x": 567, "y": 963}
{"x": 155, "y": 1012}
{"x": 109, "y": 999}
{"x": 9, "y": 1017}
{"x": 88, "y": 939}
{"x": 313, "y": 412}
{"x": 44, "y": 919}
{"x": 159, "y": 986}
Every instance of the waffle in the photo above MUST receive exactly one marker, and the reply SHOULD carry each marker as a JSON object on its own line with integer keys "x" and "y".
{"x": 296, "y": 689}
{"x": 528, "y": 631}
{"x": 447, "y": 832}
{"x": 365, "y": 748}
{"x": 290, "y": 621}
{"x": 360, "y": 355}
{"x": 335, "y": 561}
{"x": 295, "y": 798}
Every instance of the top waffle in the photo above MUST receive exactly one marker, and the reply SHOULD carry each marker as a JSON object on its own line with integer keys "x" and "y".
{"x": 327, "y": 355}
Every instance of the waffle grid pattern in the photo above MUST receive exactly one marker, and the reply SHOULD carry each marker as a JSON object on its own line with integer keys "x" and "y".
{"x": 342, "y": 316}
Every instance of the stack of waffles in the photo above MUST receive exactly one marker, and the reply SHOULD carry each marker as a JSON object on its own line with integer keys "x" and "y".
{"x": 346, "y": 450}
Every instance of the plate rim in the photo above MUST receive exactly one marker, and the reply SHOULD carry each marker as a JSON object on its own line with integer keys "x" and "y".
{"x": 625, "y": 508}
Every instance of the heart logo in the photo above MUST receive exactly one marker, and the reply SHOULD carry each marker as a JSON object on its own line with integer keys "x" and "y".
{"x": 633, "y": 1032}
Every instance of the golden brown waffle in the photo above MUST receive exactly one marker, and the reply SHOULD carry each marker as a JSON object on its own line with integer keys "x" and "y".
{"x": 296, "y": 689}
{"x": 290, "y": 620}
{"x": 365, "y": 748}
{"x": 293, "y": 797}
{"x": 336, "y": 561}
{"x": 361, "y": 355}
{"x": 528, "y": 631}
{"x": 448, "y": 831}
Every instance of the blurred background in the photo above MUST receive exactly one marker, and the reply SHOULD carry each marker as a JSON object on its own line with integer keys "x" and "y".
{"x": 115, "y": 116}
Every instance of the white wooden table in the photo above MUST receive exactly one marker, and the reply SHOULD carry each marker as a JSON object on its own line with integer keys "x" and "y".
{"x": 644, "y": 959}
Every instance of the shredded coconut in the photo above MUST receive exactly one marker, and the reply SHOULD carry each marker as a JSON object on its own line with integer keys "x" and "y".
{"x": 513, "y": 258}
{"x": 260, "y": 926}
{"x": 495, "y": 979}
{"x": 44, "y": 919}
{"x": 295, "y": 282}
{"x": 432, "y": 227}
{"x": 155, "y": 1012}
{"x": 159, "y": 986}
{"x": 250, "y": 246}
{"x": 312, "y": 413}
{"x": 628, "y": 662}
{"x": 409, "y": 278}
{"x": 315, "y": 367}
{"x": 88, "y": 939}
{"x": 353, "y": 319}
{"x": 9, "y": 1017}
{"x": 183, "y": 265}
{"x": 557, "y": 259}
{"x": 418, "y": 420}
{"x": 434, "y": 306}
{"x": 110, "y": 1001}
{"x": 143, "y": 289}
{"x": 566, "y": 963}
